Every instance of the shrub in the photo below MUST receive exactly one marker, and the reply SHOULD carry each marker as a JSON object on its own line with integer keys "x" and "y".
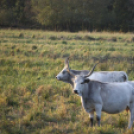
{"x": 111, "y": 49}
{"x": 21, "y": 35}
{"x": 33, "y": 36}
{"x": 34, "y": 47}
{"x": 103, "y": 67}
{"x": 88, "y": 38}
{"x": 64, "y": 42}
{"x": 112, "y": 39}
{"x": 52, "y": 37}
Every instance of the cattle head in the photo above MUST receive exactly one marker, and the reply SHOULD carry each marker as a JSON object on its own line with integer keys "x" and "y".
{"x": 64, "y": 75}
{"x": 80, "y": 80}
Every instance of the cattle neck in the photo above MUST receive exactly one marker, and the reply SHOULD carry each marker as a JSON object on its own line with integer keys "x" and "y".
{"x": 89, "y": 89}
{"x": 70, "y": 80}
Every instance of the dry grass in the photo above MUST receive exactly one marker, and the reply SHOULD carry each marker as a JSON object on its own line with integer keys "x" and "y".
{"x": 31, "y": 99}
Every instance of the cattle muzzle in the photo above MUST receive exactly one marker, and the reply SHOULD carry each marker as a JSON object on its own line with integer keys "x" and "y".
{"x": 75, "y": 91}
{"x": 57, "y": 78}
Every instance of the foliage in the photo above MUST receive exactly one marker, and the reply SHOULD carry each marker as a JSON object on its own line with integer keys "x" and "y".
{"x": 68, "y": 15}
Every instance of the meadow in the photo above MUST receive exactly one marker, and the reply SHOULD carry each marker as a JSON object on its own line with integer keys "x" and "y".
{"x": 32, "y": 101}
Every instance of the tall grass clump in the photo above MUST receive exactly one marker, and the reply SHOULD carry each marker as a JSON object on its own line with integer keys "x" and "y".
{"x": 21, "y": 35}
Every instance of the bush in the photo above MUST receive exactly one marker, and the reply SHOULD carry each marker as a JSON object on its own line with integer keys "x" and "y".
{"x": 21, "y": 35}
{"x": 64, "y": 42}
{"x": 111, "y": 49}
{"x": 33, "y": 36}
{"x": 34, "y": 47}
{"x": 52, "y": 37}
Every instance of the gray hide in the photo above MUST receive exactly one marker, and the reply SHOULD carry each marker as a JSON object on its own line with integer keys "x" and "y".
{"x": 103, "y": 76}
{"x": 111, "y": 98}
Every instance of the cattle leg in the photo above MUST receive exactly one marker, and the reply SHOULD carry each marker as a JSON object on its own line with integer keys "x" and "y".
{"x": 98, "y": 109}
{"x": 131, "y": 116}
{"x": 91, "y": 116}
{"x": 98, "y": 120}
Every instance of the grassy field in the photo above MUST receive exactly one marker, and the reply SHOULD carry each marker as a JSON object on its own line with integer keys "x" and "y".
{"x": 32, "y": 101}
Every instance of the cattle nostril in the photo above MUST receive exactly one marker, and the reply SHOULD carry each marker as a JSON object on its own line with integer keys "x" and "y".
{"x": 75, "y": 91}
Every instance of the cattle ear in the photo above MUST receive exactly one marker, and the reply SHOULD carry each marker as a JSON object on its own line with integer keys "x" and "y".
{"x": 85, "y": 81}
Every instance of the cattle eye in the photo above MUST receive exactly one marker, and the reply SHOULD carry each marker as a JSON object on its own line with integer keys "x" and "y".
{"x": 64, "y": 72}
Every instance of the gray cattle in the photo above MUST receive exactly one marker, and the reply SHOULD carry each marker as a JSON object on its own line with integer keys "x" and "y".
{"x": 103, "y": 76}
{"x": 97, "y": 96}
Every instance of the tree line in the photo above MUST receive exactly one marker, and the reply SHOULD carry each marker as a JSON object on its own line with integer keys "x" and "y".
{"x": 70, "y": 15}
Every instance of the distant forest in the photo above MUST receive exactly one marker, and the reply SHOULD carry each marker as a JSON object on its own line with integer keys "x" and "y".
{"x": 69, "y": 15}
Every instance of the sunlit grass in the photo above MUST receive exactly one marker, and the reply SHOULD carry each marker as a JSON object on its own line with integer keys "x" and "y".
{"x": 33, "y": 101}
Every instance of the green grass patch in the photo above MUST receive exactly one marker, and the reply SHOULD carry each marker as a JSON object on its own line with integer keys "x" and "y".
{"x": 32, "y": 100}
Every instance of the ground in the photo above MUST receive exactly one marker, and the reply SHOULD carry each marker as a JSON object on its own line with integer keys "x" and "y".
{"x": 32, "y": 100}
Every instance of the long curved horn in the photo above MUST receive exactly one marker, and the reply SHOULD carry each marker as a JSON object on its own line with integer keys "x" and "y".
{"x": 70, "y": 73}
{"x": 91, "y": 71}
{"x": 67, "y": 62}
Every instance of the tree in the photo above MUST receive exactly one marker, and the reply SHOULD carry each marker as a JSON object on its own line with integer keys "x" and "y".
{"x": 124, "y": 12}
